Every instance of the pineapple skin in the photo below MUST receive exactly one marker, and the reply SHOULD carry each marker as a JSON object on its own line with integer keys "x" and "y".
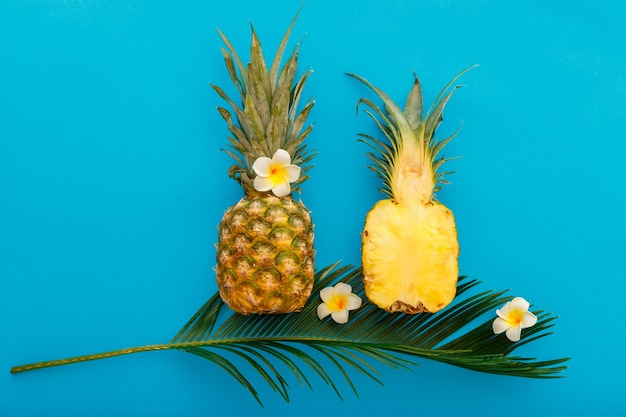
{"x": 265, "y": 255}
{"x": 410, "y": 256}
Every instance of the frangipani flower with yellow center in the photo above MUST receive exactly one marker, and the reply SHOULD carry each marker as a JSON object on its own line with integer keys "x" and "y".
{"x": 275, "y": 174}
{"x": 337, "y": 301}
{"x": 513, "y": 317}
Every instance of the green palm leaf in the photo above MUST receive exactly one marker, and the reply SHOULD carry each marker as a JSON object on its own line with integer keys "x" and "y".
{"x": 460, "y": 335}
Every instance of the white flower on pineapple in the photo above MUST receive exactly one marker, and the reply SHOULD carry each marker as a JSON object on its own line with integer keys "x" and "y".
{"x": 513, "y": 317}
{"x": 275, "y": 174}
{"x": 337, "y": 301}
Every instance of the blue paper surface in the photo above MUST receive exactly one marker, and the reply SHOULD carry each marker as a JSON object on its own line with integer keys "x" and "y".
{"x": 112, "y": 184}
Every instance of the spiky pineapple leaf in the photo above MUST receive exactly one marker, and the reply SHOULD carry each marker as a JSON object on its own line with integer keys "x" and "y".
{"x": 273, "y": 74}
{"x": 299, "y": 343}
{"x": 413, "y": 106}
{"x": 242, "y": 80}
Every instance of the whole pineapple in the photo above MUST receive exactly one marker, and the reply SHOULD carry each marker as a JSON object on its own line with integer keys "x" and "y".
{"x": 265, "y": 242}
{"x": 409, "y": 242}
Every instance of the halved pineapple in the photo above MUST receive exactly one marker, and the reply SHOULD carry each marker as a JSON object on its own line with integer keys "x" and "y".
{"x": 409, "y": 243}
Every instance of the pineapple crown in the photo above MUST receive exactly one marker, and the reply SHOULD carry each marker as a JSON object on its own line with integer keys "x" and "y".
{"x": 409, "y": 136}
{"x": 268, "y": 118}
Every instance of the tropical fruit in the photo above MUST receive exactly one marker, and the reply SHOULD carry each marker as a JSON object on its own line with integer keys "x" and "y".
{"x": 409, "y": 242}
{"x": 265, "y": 255}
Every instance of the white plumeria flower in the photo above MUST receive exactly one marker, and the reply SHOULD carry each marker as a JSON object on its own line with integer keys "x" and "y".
{"x": 337, "y": 301}
{"x": 513, "y": 317}
{"x": 275, "y": 174}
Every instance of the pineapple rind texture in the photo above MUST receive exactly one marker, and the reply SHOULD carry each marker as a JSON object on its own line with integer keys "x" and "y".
{"x": 265, "y": 255}
{"x": 410, "y": 256}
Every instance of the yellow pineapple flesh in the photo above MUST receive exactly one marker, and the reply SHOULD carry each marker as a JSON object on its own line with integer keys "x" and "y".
{"x": 410, "y": 256}
{"x": 410, "y": 247}
{"x": 265, "y": 256}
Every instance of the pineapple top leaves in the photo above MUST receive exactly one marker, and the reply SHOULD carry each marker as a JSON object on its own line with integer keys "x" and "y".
{"x": 407, "y": 161}
{"x": 267, "y": 117}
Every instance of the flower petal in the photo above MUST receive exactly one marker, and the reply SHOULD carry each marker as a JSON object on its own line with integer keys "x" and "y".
{"x": 326, "y": 294}
{"x": 340, "y": 316}
{"x": 518, "y": 303}
{"x": 514, "y": 333}
{"x": 323, "y": 311}
{"x": 505, "y": 311}
{"x": 262, "y": 166}
{"x": 342, "y": 288}
{"x": 528, "y": 320}
{"x": 281, "y": 189}
{"x": 281, "y": 157}
{"x": 292, "y": 172}
{"x": 353, "y": 302}
{"x": 500, "y": 325}
{"x": 263, "y": 183}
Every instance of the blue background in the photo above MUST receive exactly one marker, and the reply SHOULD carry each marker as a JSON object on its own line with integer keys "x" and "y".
{"x": 112, "y": 185}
